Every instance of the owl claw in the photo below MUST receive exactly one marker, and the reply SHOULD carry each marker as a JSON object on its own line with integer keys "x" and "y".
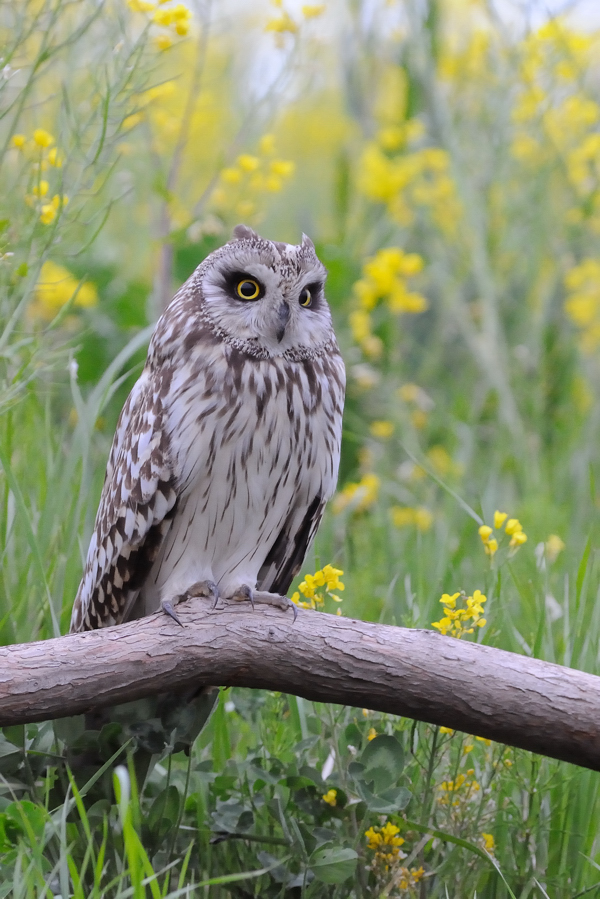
{"x": 275, "y": 599}
{"x": 243, "y": 594}
{"x": 207, "y": 589}
{"x": 167, "y": 607}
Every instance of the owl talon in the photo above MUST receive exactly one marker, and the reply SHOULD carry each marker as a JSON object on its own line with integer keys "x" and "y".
{"x": 243, "y": 594}
{"x": 208, "y": 589}
{"x": 167, "y": 607}
{"x": 274, "y": 599}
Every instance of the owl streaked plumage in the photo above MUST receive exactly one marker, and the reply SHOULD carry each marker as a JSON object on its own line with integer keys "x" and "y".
{"x": 228, "y": 446}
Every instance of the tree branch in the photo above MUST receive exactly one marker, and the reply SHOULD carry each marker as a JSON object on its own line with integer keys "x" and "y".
{"x": 512, "y": 699}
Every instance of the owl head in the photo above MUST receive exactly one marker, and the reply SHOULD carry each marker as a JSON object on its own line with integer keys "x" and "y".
{"x": 268, "y": 297}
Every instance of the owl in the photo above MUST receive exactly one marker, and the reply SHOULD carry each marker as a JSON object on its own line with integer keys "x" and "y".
{"x": 228, "y": 446}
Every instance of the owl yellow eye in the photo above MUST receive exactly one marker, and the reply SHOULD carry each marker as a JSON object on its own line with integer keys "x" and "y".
{"x": 306, "y": 298}
{"x": 248, "y": 289}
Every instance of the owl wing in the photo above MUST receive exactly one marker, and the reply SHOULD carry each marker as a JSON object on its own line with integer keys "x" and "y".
{"x": 287, "y": 554}
{"x": 284, "y": 560}
{"x": 137, "y": 505}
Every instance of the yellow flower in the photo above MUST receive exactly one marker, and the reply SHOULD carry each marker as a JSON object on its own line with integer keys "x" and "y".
{"x": 131, "y": 121}
{"x": 491, "y": 547}
{"x": 382, "y": 429}
{"x": 449, "y": 601}
{"x": 177, "y": 17}
{"x": 163, "y": 41}
{"x": 55, "y": 158}
{"x": 446, "y": 730}
{"x": 330, "y": 797}
{"x": 456, "y": 620}
{"x": 283, "y": 24}
{"x": 266, "y": 144}
{"x": 311, "y": 12}
{"x": 488, "y": 840}
{"x": 248, "y": 163}
{"x": 42, "y": 138}
{"x": 554, "y": 545}
{"x": 282, "y": 167}
{"x": 55, "y": 287}
{"x": 499, "y": 519}
{"x": 47, "y": 214}
{"x": 423, "y": 519}
{"x": 372, "y": 734}
{"x": 140, "y": 5}
{"x": 358, "y": 496}
{"x": 513, "y": 526}
{"x": 405, "y": 516}
{"x": 18, "y": 141}
{"x": 485, "y": 532}
{"x": 41, "y": 189}
{"x": 385, "y": 837}
{"x": 518, "y": 539}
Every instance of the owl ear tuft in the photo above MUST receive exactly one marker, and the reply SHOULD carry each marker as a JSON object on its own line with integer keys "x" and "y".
{"x": 307, "y": 243}
{"x": 243, "y": 232}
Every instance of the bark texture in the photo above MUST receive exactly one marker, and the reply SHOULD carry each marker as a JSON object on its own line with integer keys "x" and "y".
{"x": 488, "y": 692}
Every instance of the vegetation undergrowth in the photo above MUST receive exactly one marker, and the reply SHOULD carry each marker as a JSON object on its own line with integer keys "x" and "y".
{"x": 446, "y": 163}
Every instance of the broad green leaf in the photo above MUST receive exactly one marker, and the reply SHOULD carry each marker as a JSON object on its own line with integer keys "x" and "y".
{"x": 333, "y": 865}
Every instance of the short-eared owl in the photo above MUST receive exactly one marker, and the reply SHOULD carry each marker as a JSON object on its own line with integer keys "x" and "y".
{"x": 228, "y": 446}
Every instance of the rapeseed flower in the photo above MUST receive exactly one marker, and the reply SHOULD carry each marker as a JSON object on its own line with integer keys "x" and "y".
{"x": 513, "y": 528}
{"x": 55, "y": 287}
{"x": 42, "y": 138}
{"x": 358, "y": 496}
{"x": 406, "y": 516}
{"x": 461, "y": 789}
{"x": 330, "y": 798}
{"x": 456, "y": 620}
{"x": 316, "y": 586}
{"x": 553, "y": 547}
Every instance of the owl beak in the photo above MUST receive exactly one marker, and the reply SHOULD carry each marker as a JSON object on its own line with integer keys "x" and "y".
{"x": 283, "y": 317}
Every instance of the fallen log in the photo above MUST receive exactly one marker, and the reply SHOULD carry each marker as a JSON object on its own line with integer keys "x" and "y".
{"x": 513, "y": 699}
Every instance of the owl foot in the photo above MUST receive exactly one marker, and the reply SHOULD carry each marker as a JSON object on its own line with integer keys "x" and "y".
{"x": 274, "y": 599}
{"x": 245, "y": 593}
{"x": 168, "y": 608}
{"x": 207, "y": 589}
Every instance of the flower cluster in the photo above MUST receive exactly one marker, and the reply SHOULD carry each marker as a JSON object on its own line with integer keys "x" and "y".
{"x": 554, "y": 117}
{"x": 175, "y": 19}
{"x": 456, "y": 621}
{"x": 406, "y": 516}
{"x": 407, "y": 878}
{"x": 582, "y": 305}
{"x": 409, "y": 181}
{"x": 56, "y": 286}
{"x": 513, "y": 529}
{"x": 251, "y": 175}
{"x": 311, "y": 588}
{"x": 284, "y": 22}
{"x": 459, "y": 790}
{"x": 385, "y": 280}
{"x": 42, "y": 151}
{"x": 419, "y": 403}
{"x": 358, "y": 496}
{"x": 385, "y": 843}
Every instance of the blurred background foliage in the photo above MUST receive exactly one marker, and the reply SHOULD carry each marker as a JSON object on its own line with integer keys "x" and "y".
{"x": 444, "y": 155}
